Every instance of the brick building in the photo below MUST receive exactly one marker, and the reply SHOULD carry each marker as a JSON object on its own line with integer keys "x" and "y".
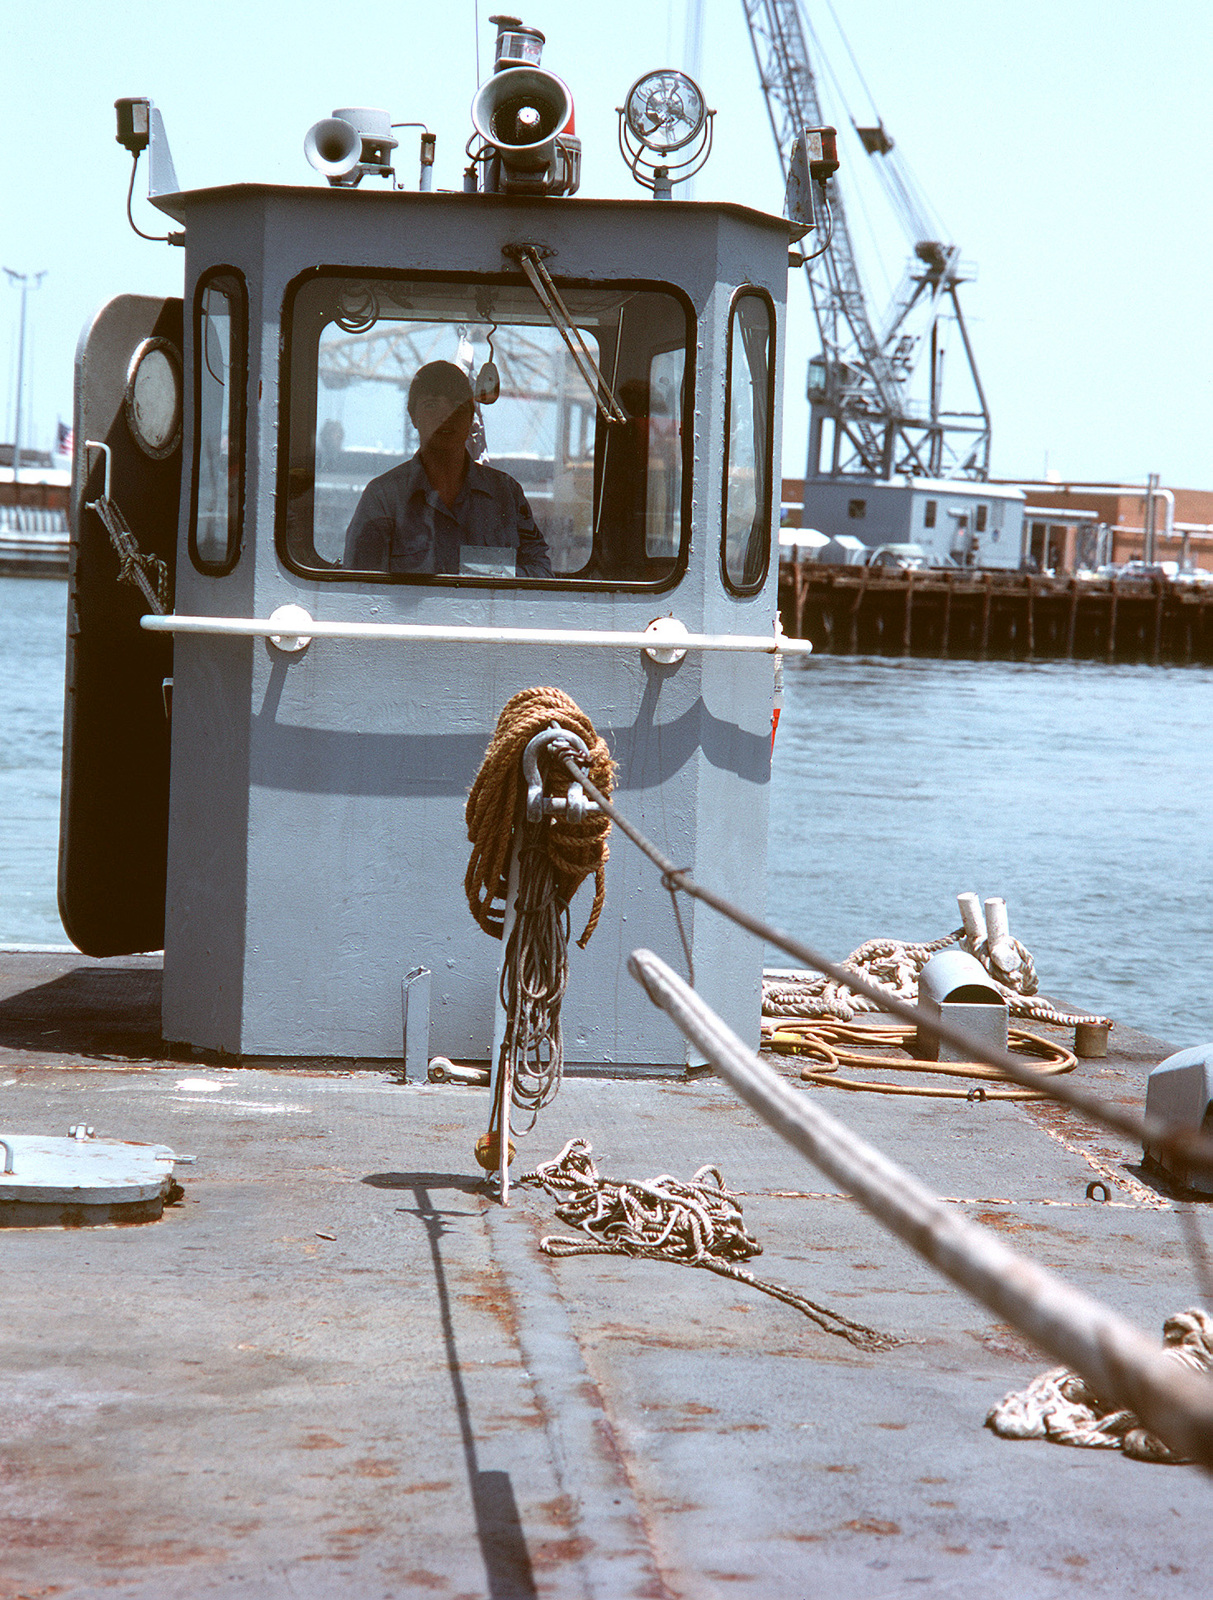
{"x": 1108, "y": 521}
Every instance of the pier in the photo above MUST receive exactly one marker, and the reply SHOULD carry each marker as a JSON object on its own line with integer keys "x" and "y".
{"x": 976, "y": 615}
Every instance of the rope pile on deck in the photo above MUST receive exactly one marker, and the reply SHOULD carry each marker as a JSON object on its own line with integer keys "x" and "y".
{"x": 695, "y": 1224}
{"x": 555, "y": 855}
{"x": 1060, "y": 1405}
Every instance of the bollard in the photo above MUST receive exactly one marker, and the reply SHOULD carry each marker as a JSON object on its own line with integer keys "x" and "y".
{"x": 1091, "y": 1040}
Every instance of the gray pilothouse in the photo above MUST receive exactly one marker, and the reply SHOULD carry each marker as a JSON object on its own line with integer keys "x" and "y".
{"x": 300, "y": 849}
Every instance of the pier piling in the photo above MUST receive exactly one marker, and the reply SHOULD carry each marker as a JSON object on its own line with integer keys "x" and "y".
{"x": 1001, "y": 615}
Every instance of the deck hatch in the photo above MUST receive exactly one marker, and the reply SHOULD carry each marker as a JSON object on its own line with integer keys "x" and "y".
{"x": 79, "y": 1180}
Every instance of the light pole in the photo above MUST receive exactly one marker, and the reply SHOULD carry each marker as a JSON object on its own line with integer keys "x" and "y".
{"x": 23, "y": 278}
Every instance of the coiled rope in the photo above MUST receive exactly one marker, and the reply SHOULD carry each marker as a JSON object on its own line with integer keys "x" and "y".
{"x": 147, "y": 572}
{"x": 1061, "y": 1406}
{"x": 555, "y": 856}
{"x": 894, "y": 965}
{"x": 534, "y": 976}
{"x": 696, "y": 1224}
{"x": 574, "y": 849}
{"x": 835, "y": 1044}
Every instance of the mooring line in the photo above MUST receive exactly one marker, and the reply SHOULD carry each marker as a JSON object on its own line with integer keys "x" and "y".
{"x": 1192, "y": 1148}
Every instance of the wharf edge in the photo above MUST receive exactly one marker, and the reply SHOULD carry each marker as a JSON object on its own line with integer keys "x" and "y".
{"x": 978, "y": 615}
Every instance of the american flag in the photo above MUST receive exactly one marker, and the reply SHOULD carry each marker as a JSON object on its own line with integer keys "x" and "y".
{"x": 64, "y": 439}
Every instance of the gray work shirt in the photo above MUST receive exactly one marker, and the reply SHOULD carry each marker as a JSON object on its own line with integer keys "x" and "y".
{"x": 402, "y": 524}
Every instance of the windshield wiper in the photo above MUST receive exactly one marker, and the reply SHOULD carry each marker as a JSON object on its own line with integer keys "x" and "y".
{"x": 530, "y": 259}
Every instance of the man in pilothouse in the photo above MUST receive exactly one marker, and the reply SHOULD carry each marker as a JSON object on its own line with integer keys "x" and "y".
{"x": 442, "y": 512}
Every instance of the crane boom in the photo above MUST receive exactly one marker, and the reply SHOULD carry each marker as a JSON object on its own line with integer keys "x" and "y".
{"x": 861, "y": 381}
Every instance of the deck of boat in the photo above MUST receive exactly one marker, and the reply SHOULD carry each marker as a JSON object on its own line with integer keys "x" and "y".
{"x": 336, "y": 1368}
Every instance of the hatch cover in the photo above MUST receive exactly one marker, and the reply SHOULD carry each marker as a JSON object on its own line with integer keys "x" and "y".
{"x": 81, "y": 1180}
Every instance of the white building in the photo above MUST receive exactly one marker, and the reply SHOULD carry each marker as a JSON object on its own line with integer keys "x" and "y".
{"x": 956, "y": 522}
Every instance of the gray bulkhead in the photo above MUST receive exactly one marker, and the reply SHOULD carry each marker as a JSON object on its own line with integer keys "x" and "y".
{"x": 317, "y": 841}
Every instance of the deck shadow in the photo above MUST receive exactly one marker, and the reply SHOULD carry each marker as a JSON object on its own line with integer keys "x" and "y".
{"x": 465, "y": 1182}
{"x": 508, "y": 1571}
{"x": 1164, "y": 1183}
{"x": 89, "y": 1010}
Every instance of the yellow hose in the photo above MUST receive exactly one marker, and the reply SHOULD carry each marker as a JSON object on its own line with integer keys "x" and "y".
{"x": 834, "y": 1044}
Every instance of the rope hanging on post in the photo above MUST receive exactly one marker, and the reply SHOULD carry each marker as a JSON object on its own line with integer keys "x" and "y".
{"x": 556, "y": 847}
{"x": 574, "y": 849}
{"x": 534, "y": 976}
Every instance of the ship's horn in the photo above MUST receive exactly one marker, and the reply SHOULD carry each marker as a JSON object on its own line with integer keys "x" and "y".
{"x": 520, "y": 111}
{"x": 333, "y": 146}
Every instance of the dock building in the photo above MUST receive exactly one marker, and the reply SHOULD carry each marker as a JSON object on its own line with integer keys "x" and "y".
{"x": 1001, "y": 524}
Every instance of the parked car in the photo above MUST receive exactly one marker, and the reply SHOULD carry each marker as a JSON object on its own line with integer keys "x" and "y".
{"x": 898, "y": 557}
{"x": 1147, "y": 569}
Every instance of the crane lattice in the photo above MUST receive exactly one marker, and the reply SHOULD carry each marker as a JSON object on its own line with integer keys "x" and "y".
{"x": 862, "y": 382}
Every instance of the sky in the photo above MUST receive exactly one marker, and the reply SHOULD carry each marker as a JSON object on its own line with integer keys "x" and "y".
{"x": 1062, "y": 143}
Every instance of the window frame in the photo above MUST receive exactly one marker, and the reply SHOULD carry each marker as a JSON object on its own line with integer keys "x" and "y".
{"x": 441, "y": 580}
{"x": 746, "y": 291}
{"x": 237, "y": 417}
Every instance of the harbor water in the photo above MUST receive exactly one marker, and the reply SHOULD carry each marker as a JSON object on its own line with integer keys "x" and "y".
{"x": 1082, "y": 793}
{"x": 33, "y": 620}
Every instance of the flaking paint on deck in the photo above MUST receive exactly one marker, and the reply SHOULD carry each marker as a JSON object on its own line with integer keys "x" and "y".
{"x": 225, "y": 1402}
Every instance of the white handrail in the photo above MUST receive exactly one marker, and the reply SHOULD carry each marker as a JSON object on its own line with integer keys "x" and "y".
{"x": 294, "y": 628}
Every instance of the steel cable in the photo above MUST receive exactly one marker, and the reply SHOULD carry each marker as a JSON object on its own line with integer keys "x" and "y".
{"x": 1194, "y": 1148}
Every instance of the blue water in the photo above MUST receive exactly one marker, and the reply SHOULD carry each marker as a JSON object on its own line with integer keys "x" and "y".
{"x": 33, "y": 620}
{"x": 1080, "y": 792}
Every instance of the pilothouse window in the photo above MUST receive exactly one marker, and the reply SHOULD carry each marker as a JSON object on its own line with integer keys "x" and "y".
{"x": 220, "y": 342}
{"x": 441, "y": 431}
{"x": 746, "y": 540}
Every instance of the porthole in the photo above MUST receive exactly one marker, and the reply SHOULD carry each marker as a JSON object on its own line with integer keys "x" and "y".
{"x": 153, "y": 398}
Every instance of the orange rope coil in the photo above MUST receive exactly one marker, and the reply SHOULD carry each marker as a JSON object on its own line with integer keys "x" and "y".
{"x": 575, "y": 849}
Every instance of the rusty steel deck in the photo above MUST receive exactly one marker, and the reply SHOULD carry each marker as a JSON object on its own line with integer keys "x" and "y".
{"x": 336, "y": 1368}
